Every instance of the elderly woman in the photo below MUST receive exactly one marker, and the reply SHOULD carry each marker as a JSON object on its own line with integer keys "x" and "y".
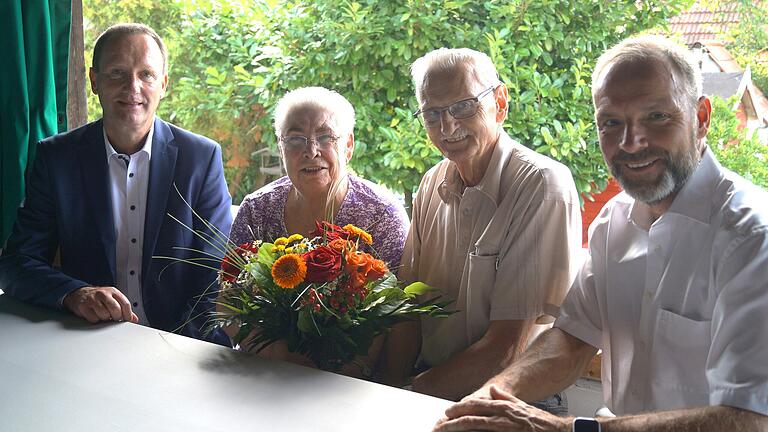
{"x": 314, "y": 128}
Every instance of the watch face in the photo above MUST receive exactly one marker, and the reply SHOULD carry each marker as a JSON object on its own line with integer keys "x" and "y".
{"x": 585, "y": 425}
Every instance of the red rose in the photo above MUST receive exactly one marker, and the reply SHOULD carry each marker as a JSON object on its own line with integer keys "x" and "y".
{"x": 323, "y": 264}
{"x": 329, "y": 231}
{"x": 231, "y": 265}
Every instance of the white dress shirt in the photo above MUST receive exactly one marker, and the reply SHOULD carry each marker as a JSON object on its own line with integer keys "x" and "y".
{"x": 129, "y": 178}
{"x": 679, "y": 306}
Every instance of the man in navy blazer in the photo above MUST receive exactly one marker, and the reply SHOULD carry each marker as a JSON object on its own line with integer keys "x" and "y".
{"x": 111, "y": 197}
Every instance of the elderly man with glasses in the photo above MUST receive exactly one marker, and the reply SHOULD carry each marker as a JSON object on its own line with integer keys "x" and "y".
{"x": 496, "y": 228}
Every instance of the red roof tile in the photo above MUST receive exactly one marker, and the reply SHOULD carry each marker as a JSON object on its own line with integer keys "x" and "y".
{"x": 699, "y": 23}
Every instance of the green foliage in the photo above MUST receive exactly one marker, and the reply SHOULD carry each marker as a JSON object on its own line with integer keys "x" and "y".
{"x": 544, "y": 52}
{"x": 207, "y": 42}
{"x": 100, "y": 14}
{"x": 736, "y": 148}
{"x": 748, "y": 40}
{"x": 231, "y": 62}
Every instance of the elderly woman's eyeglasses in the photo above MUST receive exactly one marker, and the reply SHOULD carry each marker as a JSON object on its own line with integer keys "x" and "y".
{"x": 298, "y": 142}
{"x": 462, "y": 109}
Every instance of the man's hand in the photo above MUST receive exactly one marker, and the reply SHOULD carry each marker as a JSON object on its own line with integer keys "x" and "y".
{"x": 502, "y": 412}
{"x": 100, "y": 304}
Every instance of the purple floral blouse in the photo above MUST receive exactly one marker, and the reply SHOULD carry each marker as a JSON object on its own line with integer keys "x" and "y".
{"x": 367, "y": 206}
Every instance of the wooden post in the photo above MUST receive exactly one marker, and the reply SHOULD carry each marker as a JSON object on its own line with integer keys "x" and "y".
{"x": 77, "y": 103}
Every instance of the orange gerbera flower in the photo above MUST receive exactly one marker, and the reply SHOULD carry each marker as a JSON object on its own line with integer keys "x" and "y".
{"x": 359, "y": 233}
{"x": 289, "y": 270}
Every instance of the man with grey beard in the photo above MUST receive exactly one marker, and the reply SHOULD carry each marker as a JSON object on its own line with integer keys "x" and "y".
{"x": 676, "y": 285}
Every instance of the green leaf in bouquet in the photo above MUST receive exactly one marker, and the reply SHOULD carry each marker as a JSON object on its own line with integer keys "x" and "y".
{"x": 393, "y": 294}
{"x": 418, "y": 288}
{"x": 231, "y": 307}
{"x": 375, "y": 302}
{"x": 306, "y": 322}
{"x": 266, "y": 256}
{"x": 392, "y": 307}
{"x": 260, "y": 273}
{"x": 388, "y": 281}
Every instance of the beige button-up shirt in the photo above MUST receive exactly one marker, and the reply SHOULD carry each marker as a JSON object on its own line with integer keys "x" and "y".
{"x": 505, "y": 249}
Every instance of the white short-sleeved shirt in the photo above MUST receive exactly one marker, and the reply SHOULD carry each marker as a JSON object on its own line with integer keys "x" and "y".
{"x": 505, "y": 249}
{"x": 679, "y": 307}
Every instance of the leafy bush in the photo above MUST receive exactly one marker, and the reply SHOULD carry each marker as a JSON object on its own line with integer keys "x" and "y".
{"x": 232, "y": 60}
{"x": 736, "y": 148}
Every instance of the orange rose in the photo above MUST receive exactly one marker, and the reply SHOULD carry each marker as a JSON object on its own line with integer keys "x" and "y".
{"x": 341, "y": 245}
{"x": 377, "y": 269}
{"x": 357, "y": 279}
{"x": 355, "y": 260}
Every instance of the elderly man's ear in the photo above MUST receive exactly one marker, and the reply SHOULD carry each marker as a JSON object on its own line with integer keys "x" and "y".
{"x": 703, "y": 116}
{"x": 502, "y": 97}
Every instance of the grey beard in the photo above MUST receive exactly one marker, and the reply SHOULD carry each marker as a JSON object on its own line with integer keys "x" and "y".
{"x": 672, "y": 180}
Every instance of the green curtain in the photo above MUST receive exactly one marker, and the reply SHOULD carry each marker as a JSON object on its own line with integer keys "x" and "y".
{"x": 33, "y": 90}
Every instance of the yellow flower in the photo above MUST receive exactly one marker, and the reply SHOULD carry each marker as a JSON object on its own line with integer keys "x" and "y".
{"x": 295, "y": 238}
{"x": 278, "y": 248}
{"x": 282, "y": 241}
{"x": 359, "y": 233}
{"x": 289, "y": 270}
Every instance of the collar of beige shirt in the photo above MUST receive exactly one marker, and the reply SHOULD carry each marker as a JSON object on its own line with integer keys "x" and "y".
{"x": 452, "y": 185}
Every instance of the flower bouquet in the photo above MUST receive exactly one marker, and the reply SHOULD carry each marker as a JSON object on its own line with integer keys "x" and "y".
{"x": 323, "y": 296}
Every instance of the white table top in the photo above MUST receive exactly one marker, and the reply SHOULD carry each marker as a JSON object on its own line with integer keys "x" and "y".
{"x": 59, "y": 373}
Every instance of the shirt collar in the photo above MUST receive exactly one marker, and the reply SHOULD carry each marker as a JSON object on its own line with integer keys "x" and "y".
{"x": 693, "y": 199}
{"x": 491, "y": 181}
{"x": 146, "y": 148}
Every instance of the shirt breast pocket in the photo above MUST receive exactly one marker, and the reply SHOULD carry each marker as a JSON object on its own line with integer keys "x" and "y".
{"x": 481, "y": 278}
{"x": 679, "y": 359}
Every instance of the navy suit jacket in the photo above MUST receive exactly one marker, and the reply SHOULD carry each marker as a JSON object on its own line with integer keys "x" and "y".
{"x": 68, "y": 208}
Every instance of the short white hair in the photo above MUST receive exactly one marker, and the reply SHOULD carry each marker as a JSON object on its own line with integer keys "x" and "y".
{"x": 342, "y": 114}
{"x": 654, "y": 48}
{"x": 478, "y": 64}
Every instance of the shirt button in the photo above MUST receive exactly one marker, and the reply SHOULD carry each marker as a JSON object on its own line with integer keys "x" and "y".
{"x": 135, "y": 304}
{"x": 130, "y": 175}
{"x": 132, "y": 272}
{"x": 133, "y": 207}
{"x": 133, "y": 240}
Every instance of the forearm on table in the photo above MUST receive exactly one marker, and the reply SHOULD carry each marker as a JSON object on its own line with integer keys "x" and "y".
{"x": 552, "y": 363}
{"x": 466, "y": 371}
{"x": 710, "y": 418}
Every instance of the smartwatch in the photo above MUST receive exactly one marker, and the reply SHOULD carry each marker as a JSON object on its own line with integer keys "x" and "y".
{"x": 585, "y": 424}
